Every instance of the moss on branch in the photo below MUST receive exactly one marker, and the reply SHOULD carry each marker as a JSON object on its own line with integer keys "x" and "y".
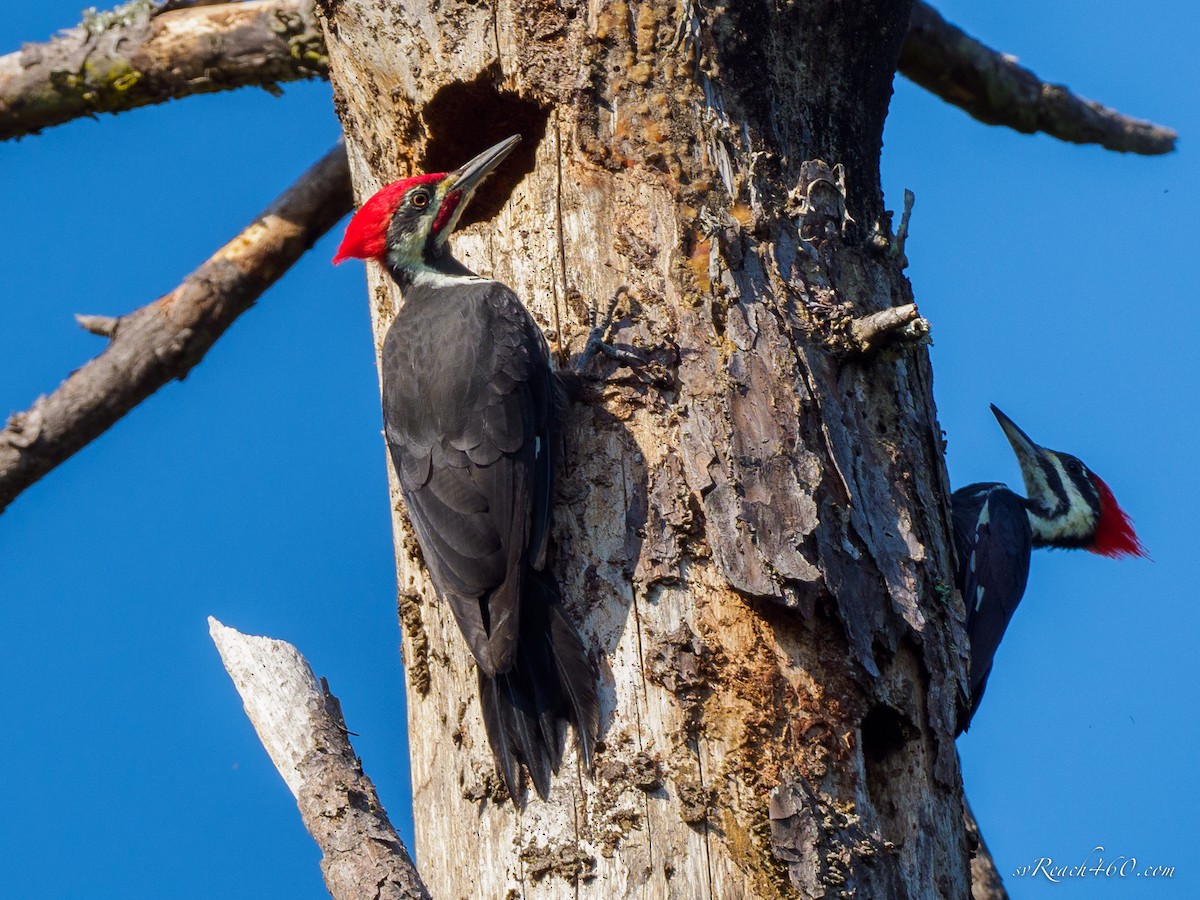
{"x": 137, "y": 55}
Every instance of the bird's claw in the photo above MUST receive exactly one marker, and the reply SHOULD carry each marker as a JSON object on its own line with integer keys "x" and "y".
{"x": 597, "y": 341}
{"x": 644, "y": 369}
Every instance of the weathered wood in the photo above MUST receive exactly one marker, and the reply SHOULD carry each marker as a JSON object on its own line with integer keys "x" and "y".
{"x": 300, "y": 725}
{"x": 758, "y": 554}
{"x": 137, "y": 55}
{"x": 876, "y": 330}
{"x": 167, "y": 338}
{"x": 141, "y": 54}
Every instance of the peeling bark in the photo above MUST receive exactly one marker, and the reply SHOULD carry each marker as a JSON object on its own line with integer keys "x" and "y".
{"x": 758, "y": 550}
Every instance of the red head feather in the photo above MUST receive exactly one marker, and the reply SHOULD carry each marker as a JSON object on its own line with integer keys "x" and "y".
{"x": 366, "y": 235}
{"x": 1114, "y": 531}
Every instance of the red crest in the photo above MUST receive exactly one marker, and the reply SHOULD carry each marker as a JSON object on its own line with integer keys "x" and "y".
{"x": 366, "y": 235}
{"x": 1114, "y": 532}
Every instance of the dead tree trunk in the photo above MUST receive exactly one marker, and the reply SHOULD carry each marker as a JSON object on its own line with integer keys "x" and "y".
{"x": 757, "y": 549}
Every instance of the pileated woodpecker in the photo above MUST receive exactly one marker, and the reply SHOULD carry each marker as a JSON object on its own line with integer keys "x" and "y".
{"x": 995, "y": 531}
{"x": 470, "y": 411}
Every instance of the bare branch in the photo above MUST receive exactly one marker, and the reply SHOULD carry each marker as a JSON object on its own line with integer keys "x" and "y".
{"x": 300, "y": 724}
{"x": 165, "y": 339}
{"x": 985, "y": 880}
{"x": 134, "y": 57}
{"x": 994, "y": 89}
{"x": 199, "y": 46}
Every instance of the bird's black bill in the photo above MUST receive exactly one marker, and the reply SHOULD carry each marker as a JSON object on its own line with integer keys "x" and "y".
{"x": 468, "y": 176}
{"x": 1029, "y": 454}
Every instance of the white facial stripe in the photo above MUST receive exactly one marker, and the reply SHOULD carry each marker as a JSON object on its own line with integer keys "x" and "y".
{"x": 1078, "y": 522}
{"x": 410, "y": 254}
{"x": 424, "y": 276}
{"x": 1037, "y": 487}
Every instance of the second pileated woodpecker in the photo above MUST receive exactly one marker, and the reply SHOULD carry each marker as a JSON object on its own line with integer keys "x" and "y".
{"x": 995, "y": 531}
{"x": 470, "y": 411}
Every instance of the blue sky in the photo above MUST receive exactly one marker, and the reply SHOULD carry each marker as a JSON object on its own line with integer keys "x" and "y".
{"x": 1060, "y": 284}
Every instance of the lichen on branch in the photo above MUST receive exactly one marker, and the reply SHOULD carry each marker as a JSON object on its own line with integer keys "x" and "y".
{"x": 141, "y": 53}
{"x": 138, "y": 54}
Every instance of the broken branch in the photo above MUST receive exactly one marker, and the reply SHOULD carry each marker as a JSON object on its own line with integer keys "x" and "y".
{"x": 137, "y": 55}
{"x": 101, "y": 326}
{"x": 996, "y": 90}
{"x": 902, "y": 232}
{"x": 165, "y": 339}
{"x": 897, "y": 323}
{"x": 300, "y": 724}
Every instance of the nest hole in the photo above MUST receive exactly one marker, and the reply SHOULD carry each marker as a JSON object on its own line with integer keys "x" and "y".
{"x": 465, "y": 118}
{"x": 884, "y": 731}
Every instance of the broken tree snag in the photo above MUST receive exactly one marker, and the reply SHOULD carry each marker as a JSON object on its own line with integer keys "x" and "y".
{"x": 300, "y": 725}
{"x": 985, "y": 880}
{"x": 135, "y": 56}
{"x": 167, "y": 338}
{"x": 755, "y": 547}
{"x": 993, "y": 88}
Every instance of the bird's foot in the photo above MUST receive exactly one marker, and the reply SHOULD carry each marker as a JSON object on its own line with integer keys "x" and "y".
{"x": 597, "y": 342}
{"x": 644, "y": 369}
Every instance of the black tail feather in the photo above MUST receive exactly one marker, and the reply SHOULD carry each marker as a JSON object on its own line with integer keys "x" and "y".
{"x": 522, "y": 718}
{"x": 547, "y": 696}
{"x": 552, "y": 679}
{"x": 494, "y": 722}
{"x": 578, "y": 677}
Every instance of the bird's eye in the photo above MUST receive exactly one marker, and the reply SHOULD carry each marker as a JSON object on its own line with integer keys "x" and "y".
{"x": 420, "y": 199}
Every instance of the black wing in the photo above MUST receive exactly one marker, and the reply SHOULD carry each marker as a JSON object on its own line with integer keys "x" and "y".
{"x": 468, "y": 411}
{"x": 994, "y": 541}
